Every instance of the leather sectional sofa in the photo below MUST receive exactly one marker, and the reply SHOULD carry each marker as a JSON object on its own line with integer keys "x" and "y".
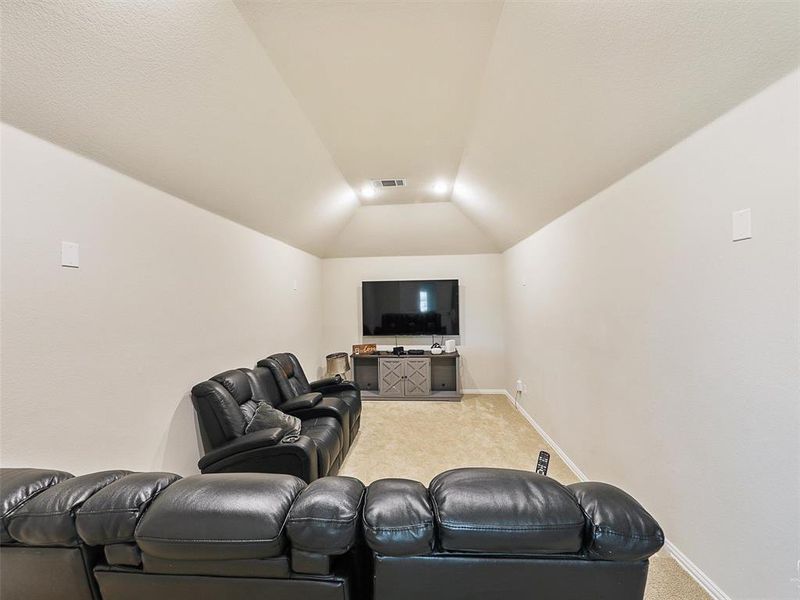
{"x": 473, "y": 533}
{"x": 330, "y": 411}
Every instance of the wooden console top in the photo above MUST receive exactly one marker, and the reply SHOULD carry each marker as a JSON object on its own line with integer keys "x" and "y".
{"x": 388, "y": 354}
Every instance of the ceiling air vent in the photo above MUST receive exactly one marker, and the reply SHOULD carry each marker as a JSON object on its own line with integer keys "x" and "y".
{"x": 389, "y": 183}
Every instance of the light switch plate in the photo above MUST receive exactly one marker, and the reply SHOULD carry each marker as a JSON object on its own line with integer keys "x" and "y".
{"x": 70, "y": 256}
{"x": 742, "y": 229}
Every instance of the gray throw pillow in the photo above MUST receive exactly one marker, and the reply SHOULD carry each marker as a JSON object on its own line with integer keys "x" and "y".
{"x": 267, "y": 417}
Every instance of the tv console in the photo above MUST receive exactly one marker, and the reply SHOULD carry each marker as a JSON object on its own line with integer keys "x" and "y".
{"x": 385, "y": 376}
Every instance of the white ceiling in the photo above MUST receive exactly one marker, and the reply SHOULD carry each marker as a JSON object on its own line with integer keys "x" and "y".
{"x": 274, "y": 114}
{"x": 389, "y": 87}
{"x": 179, "y": 95}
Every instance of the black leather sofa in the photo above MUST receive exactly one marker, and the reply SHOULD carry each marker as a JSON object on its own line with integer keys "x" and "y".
{"x": 474, "y": 533}
{"x": 225, "y": 403}
{"x": 500, "y": 533}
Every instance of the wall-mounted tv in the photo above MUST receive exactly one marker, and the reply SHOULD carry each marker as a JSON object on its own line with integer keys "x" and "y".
{"x": 426, "y": 307}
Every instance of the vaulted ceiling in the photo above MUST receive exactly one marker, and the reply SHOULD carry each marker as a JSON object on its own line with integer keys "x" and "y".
{"x": 278, "y": 115}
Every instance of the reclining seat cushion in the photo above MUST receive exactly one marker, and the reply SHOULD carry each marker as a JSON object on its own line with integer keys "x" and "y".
{"x": 326, "y": 433}
{"x": 17, "y": 486}
{"x": 218, "y": 517}
{"x": 505, "y": 511}
{"x": 618, "y": 527}
{"x": 48, "y": 518}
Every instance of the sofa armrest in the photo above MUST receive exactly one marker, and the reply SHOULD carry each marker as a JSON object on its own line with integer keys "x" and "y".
{"x": 324, "y": 518}
{"x": 398, "y": 518}
{"x": 251, "y": 441}
{"x": 325, "y": 382}
{"x": 344, "y": 386}
{"x": 297, "y": 458}
{"x": 330, "y": 406}
{"x": 300, "y": 402}
{"x": 617, "y": 526}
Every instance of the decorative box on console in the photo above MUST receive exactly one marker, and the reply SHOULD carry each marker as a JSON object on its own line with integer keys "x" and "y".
{"x": 364, "y": 348}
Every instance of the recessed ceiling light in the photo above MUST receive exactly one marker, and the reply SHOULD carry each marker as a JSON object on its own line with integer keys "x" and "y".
{"x": 440, "y": 187}
{"x": 368, "y": 190}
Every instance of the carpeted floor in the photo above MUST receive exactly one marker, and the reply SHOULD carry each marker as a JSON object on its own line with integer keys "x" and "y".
{"x": 417, "y": 440}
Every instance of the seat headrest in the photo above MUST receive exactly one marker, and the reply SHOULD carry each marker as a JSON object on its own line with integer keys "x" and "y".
{"x": 237, "y": 384}
{"x": 283, "y": 361}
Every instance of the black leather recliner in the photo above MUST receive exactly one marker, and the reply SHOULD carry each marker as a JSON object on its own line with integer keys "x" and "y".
{"x": 292, "y": 382}
{"x": 473, "y": 533}
{"x": 226, "y": 402}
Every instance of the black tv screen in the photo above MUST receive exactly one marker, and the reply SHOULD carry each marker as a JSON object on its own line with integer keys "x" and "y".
{"x": 428, "y": 307}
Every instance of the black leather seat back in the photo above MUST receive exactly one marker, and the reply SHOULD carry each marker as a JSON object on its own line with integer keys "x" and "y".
{"x": 222, "y": 404}
{"x": 264, "y": 386}
{"x": 464, "y": 576}
{"x": 18, "y": 487}
{"x": 42, "y": 555}
{"x": 238, "y": 385}
{"x": 288, "y": 373}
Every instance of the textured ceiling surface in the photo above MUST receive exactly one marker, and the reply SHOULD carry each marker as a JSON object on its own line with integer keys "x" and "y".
{"x": 275, "y": 114}
{"x": 180, "y": 95}
{"x": 389, "y": 87}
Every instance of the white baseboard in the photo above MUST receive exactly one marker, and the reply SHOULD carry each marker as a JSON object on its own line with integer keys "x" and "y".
{"x": 564, "y": 456}
{"x": 705, "y": 582}
{"x": 500, "y": 392}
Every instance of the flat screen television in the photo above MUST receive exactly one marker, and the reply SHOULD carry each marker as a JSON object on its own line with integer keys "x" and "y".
{"x": 425, "y": 307}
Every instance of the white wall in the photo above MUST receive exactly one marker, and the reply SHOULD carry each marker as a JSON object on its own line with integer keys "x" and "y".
{"x": 664, "y": 357}
{"x": 480, "y": 298}
{"x": 97, "y": 362}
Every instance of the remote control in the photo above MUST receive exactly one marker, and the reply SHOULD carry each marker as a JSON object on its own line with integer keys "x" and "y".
{"x": 543, "y": 462}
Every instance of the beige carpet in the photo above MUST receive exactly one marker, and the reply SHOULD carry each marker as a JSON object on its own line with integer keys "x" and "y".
{"x": 418, "y": 440}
